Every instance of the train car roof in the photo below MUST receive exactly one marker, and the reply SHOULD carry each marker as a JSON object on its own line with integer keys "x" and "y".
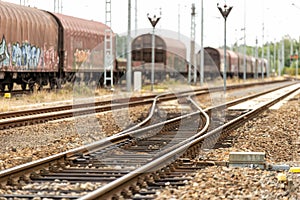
{"x": 21, "y": 24}
{"x": 74, "y": 25}
{"x": 232, "y": 54}
{"x": 172, "y": 45}
{"x": 218, "y": 50}
{"x": 175, "y": 46}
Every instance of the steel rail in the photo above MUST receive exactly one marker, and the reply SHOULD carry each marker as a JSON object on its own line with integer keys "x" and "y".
{"x": 9, "y": 173}
{"x": 11, "y": 114}
{"x": 46, "y": 114}
{"x": 170, "y": 157}
{"x": 5, "y": 174}
{"x": 45, "y": 162}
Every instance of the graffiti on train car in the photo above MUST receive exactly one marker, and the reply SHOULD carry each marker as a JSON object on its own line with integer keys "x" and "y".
{"x": 4, "y": 55}
{"x": 26, "y": 56}
{"x": 80, "y": 57}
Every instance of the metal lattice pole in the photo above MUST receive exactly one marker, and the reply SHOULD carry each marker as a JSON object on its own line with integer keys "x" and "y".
{"x": 128, "y": 67}
{"x": 108, "y": 51}
{"x": 262, "y": 53}
{"x": 244, "y": 53}
{"x": 202, "y": 48}
{"x": 269, "y": 61}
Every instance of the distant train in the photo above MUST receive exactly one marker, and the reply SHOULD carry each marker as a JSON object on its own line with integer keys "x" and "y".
{"x": 170, "y": 58}
{"x": 214, "y": 64}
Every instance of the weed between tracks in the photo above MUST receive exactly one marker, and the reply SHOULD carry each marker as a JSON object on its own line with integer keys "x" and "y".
{"x": 45, "y": 97}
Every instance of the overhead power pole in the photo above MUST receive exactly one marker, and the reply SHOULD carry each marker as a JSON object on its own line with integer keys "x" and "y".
{"x": 128, "y": 67}
{"x": 108, "y": 57}
{"x": 178, "y": 22}
{"x": 192, "y": 48}
{"x": 225, "y": 12}
{"x": 244, "y": 53}
{"x": 202, "y": 48}
{"x": 269, "y": 61}
{"x": 61, "y": 6}
{"x": 262, "y": 53}
{"x": 57, "y": 6}
{"x": 282, "y": 57}
{"x": 136, "y": 20}
{"x": 153, "y": 20}
{"x": 256, "y": 56}
{"x": 291, "y": 51}
{"x": 279, "y": 59}
{"x": 274, "y": 59}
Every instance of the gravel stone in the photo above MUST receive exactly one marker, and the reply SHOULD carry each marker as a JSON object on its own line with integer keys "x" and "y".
{"x": 275, "y": 132}
{"x": 29, "y": 143}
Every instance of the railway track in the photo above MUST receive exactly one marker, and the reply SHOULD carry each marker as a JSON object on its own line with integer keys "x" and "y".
{"x": 42, "y": 115}
{"x": 133, "y": 164}
{"x": 105, "y": 148}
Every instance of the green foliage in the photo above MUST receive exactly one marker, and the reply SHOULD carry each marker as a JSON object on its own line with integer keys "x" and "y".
{"x": 121, "y": 46}
{"x": 290, "y": 71}
{"x": 83, "y": 91}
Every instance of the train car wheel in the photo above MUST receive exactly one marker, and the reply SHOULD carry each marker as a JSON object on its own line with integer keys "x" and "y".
{"x": 23, "y": 86}
{"x": 52, "y": 85}
{"x": 10, "y": 86}
{"x": 2, "y": 87}
{"x": 31, "y": 87}
{"x": 40, "y": 87}
{"x": 58, "y": 84}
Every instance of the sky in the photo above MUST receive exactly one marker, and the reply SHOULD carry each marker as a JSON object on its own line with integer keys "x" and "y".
{"x": 266, "y": 20}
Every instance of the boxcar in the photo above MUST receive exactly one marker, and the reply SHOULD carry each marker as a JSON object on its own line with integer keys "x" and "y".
{"x": 39, "y": 47}
{"x": 214, "y": 62}
{"x": 29, "y": 46}
{"x": 170, "y": 55}
{"x": 250, "y": 65}
{"x": 81, "y": 48}
{"x": 233, "y": 61}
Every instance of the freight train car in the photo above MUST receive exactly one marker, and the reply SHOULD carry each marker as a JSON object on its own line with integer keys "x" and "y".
{"x": 248, "y": 67}
{"x": 233, "y": 63}
{"x": 170, "y": 55}
{"x": 214, "y": 64}
{"x": 41, "y": 48}
{"x": 81, "y": 48}
{"x": 29, "y": 46}
{"x": 261, "y": 67}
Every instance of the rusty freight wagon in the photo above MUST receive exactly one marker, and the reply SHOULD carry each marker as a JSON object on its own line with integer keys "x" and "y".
{"x": 170, "y": 55}
{"x": 214, "y": 62}
{"x": 43, "y": 48}
{"x": 81, "y": 47}
{"x": 29, "y": 46}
